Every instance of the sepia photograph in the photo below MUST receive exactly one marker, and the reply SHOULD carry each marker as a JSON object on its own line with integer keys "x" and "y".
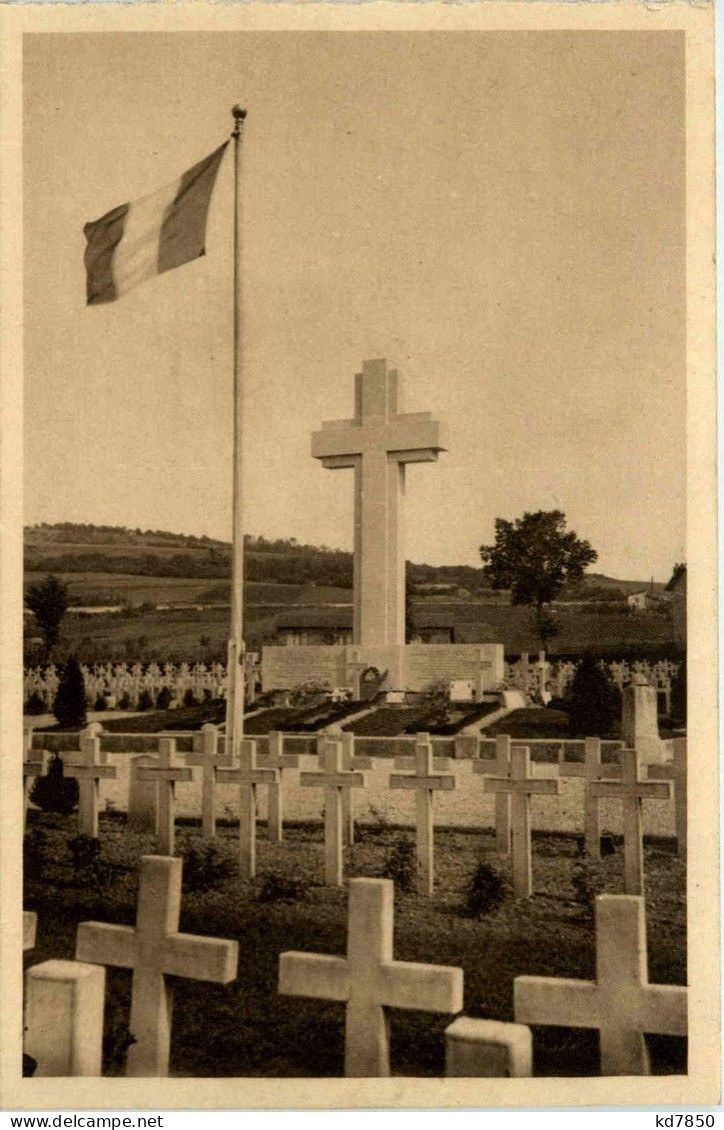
{"x": 377, "y": 779}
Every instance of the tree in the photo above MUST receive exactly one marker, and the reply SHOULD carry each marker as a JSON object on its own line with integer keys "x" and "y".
{"x": 69, "y": 702}
{"x": 48, "y": 600}
{"x": 594, "y": 701}
{"x": 534, "y": 557}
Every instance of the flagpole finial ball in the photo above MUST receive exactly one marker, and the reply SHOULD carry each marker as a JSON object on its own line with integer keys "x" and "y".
{"x": 238, "y": 113}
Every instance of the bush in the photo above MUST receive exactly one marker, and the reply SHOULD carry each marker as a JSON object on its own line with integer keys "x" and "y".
{"x": 35, "y": 704}
{"x": 189, "y": 698}
{"x": 55, "y": 792}
{"x": 594, "y": 702}
{"x": 69, "y": 702}
{"x": 205, "y": 867}
{"x": 101, "y": 703}
{"x": 145, "y": 700}
{"x": 124, "y": 702}
{"x": 486, "y": 890}
{"x": 88, "y": 865}
{"x": 36, "y": 854}
{"x": 279, "y": 889}
{"x": 163, "y": 698}
{"x": 400, "y": 865}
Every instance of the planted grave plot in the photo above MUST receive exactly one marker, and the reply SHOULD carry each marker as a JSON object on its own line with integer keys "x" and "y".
{"x": 458, "y": 717}
{"x": 389, "y": 721}
{"x": 324, "y": 715}
{"x": 246, "y": 1028}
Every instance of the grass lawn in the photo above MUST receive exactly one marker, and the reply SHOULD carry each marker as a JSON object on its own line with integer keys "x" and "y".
{"x": 247, "y": 1029}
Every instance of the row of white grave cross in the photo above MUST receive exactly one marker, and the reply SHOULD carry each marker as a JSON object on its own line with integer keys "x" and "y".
{"x": 65, "y": 999}
{"x": 508, "y": 776}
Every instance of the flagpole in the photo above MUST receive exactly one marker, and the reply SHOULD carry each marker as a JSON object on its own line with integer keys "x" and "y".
{"x": 235, "y": 671}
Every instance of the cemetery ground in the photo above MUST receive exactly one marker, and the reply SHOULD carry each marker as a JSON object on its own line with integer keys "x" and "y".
{"x": 248, "y": 1029}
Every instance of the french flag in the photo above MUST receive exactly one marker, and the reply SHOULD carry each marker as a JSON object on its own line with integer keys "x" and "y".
{"x": 135, "y": 241}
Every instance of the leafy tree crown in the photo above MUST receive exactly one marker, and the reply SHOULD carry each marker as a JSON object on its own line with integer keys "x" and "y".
{"x": 535, "y": 556}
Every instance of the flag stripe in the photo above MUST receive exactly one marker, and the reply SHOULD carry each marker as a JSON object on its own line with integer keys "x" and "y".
{"x": 136, "y": 256}
{"x": 183, "y": 231}
{"x": 103, "y": 237}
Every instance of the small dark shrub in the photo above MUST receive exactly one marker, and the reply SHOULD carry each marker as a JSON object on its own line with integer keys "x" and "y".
{"x": 124, "y": 702}
{"x": 55, "y": 792}
{"x": 400, "y": 865}
{"x": 593, "y": 702}
{"x": 145, "y": 700}
{"x": 35, "y": 854}
{"x": 101, "y": 703}
{"x": 35, "y": 704}
{"x": 189, "y": 698}
{"x": 486, "y": 890}
{"x": 205, "y": 867}
{"x": 117, "y": 1039}
{"x": 607, "y": 845}
{"x": 69, "y": 702}
{"x": 163, "y": 699}
{"x": 85, "y": 851}
{"x": 279, "y": 889}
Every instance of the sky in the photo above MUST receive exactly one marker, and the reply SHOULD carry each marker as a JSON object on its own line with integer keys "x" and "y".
{"x": 500, "y": 214}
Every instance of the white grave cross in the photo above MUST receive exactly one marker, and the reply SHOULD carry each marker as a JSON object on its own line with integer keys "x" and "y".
{"x": 590, "y": 769}
{"x": 93, "y": 768}
{"x": 631, "y": 791}
{"x": 676, "y": 772}
{"x": 350, "y": 760}
{"x": 426, "y": 783}
{"x": 378, "y": 443}
{"x": 166, "y": 775}
{"x": 334, "y": 779}
{"x": 209, "y": 757}
{"x": 620, "y": 1003}
{"x": 248, "y": 776}
{"x": 522, "y": 786}
{"x": 153, "y": 950}
{"x": 276, "y": 758}
{"x": 369, "y": 979}
{"x": 499, "y": 767}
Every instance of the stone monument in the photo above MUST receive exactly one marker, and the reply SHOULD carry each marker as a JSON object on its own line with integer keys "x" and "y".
{"x": 377, "y": 444}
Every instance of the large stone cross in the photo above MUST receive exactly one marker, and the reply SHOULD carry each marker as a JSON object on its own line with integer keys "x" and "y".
{"x": 154, "y": 950}
{"x": 378, "y": 443}
{"x": 425, "y": 782}
{"x": 620, "y": 1002}
{"x": 521, "y": 786}
{"x": 631, "y": 791}
{"x": 369, "y": 979}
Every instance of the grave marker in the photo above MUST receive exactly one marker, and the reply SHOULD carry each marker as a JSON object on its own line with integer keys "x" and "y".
{"x": 590, "y": 769}
{"x": 620, "y": 1003}
{"x": 248, "y": 776}
{"x": 64, "y": 1018}
{"x": 488, "y": 1049}
{"x": 676, "y": 772}
{"x": 30, "y": 929}
{"x": 426, "y": 783}
{"x": 166, "y": 775}
{"x": 153, "y": 950}
{"x": 350, "y": 760}
{"x": 207, "y": 754}
{"x": 92, "y": 769}
{"x": 499, "y": 767}
{"x": 334, "y": 779}
{"x": 521, "y": 786}
{"x": 369, "y": 979}
{"x": 277, "y": 759}
{"x": 142, "y": 796}
{"x": 630, "y": 790}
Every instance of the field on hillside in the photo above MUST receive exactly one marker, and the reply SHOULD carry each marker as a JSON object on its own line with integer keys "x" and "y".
{"x": 120, "y": 588}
